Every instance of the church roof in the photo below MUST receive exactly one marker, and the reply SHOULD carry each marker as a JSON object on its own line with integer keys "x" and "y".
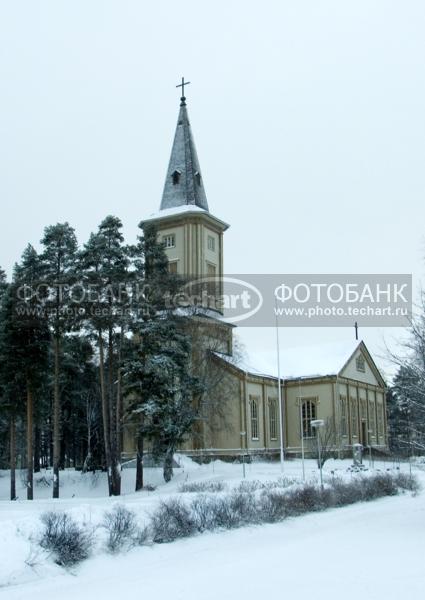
{"x": 303, "y": 362}
{"x": 184, "y": 184}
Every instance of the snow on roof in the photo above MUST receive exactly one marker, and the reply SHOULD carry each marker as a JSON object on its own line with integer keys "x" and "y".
{"x": 300, "y": 361}
{"x": 175, "y": 210}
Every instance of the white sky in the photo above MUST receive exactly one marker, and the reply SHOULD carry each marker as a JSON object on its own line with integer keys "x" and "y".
{"x": 308, "y": 118}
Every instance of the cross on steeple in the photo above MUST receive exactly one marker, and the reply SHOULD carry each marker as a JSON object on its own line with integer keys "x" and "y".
{"x": 183, "y": 97}
{"x": 356, "y": 328}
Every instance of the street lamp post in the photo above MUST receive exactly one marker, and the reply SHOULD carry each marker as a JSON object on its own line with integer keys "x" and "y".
{"x": 317, "y": 424}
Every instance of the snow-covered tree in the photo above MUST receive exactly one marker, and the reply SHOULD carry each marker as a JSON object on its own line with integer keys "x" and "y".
{"x": 158, "y": 370}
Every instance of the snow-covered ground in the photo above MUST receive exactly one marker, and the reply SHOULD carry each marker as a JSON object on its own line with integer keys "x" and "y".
{"x": 373, "y": 550}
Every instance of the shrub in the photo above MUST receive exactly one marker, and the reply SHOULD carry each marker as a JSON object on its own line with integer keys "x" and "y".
{"x": 65, "y": 539}
{"x": 407, "y": 482}
{"x": 142, "y": 537}
{"x": 205, "y": 511}
{"x": 379, "y": 485}
{"x": 346, "y": 492}
{"x": 272, "y": 506}
{"x": 307, "y": 498}
{"x": 172, "y": 520}
{"x": 253, "y": 486}
{"x": 243, "y": 508}
{"x": 121, "y": 526}
{"x": 202, "y": 486}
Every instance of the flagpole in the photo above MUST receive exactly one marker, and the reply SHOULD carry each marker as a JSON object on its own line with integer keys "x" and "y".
{"x": 279, "y": 390}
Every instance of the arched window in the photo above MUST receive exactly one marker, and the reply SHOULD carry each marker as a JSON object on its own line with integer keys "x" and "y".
{"x": 309, "y": 413}
{"x": 273, "y": 418}
{"x": 175, "y": 176}
{"x": 372, "y": 420}
{"x": 354, "y": 421}
{"x": 380, "y": 412}
{"x": 254, "y": 417}
{"x": 343, "y": 404}
{"x": 198, "y": 178}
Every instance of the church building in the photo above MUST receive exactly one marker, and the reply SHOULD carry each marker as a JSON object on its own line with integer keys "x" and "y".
{"x": 247, "y": 418}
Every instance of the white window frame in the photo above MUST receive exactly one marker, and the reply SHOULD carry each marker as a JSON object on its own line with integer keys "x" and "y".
{"x": 308, "y": 414}
{"x": 169, "y": 240}
{"x": 344, "y": 412}
{"x": 273, "y": 420}
{"x": 254, "y": 418}
{"x": 211, "y": 243}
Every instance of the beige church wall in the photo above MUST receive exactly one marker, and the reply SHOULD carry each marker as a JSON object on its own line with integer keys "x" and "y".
{"x": 381, "y": 410}
{"x": 223, "y": 431}
{"x": 351, "y": 372}
{"x": 362, "y": 393}
{"x": 129, "y": 441}
{"x": 176, "y": 253}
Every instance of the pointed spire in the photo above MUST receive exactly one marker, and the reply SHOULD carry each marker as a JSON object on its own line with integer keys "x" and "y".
{"x": 184, "y": 184}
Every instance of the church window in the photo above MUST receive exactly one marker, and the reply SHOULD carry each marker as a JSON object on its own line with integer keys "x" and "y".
{"x": 354, "y": 422}
{"x": 380, "y": 420}
{"x": 172, "y": 267}
{"x": 343, "y": 404}
{"x": 273, "y": 418}
{"x": 309, "y": 414}
{"x": 254, "y": 417}
{"x": 360, "y": 364}
{"x": 211, "y": 243}
{"x": 169, "y": 241}
{"x": 175, "y": 176}
{"x": 363, "y": 410}
{"x": 372, "y": 423}
{"x": 198, "y": 178}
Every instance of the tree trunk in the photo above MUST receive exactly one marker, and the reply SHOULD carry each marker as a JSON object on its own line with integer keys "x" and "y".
{"x": 139, "y": 463}
{"x": 115, "y": 462}
{"x": 168, "y": 464}
{"x": 30, "y": 451}
{"x": 56, "y": 421}
{"x": 12, "y": 457}
{"x": 37, "y": 452}
{"x": 105, "y": 413}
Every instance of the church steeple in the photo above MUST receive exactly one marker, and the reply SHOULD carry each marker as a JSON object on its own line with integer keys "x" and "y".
{"x": 183, "y": 184}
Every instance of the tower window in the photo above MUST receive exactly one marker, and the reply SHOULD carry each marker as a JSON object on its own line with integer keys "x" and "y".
{"x": 175, "y": 176}
{"x": 198, "y": 178}
{"x": 169, "y": 241}
{"x": 211, "y": 243}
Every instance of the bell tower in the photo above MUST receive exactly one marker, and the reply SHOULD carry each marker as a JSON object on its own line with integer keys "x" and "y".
{"x": 192, "y": 236}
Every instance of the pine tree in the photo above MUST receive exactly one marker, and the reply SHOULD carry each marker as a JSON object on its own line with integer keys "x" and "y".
{"x": 80, "y": 403}
{"x": 7, "y": 412}
{"x": 160, "y": 384}
{"x": 105, "y": 261}
{"x": 59, "y": 260}
{"x": 24, "y": 346}
{"x": 406, "y": 410}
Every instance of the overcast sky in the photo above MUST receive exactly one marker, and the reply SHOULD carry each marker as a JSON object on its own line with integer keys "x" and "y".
{"x": 308, "y": 118}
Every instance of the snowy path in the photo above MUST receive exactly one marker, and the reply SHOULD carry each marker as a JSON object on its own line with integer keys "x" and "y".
{"x": 374, "y": 551}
